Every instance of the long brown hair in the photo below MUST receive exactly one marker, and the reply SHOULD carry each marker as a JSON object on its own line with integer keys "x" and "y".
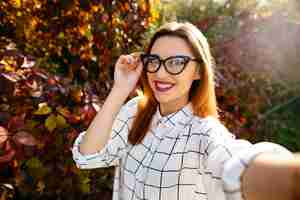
{"x": 202, "y": 92}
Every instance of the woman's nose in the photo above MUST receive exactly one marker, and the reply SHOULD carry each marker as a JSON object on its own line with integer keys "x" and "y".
{"x": 162, "y": 72}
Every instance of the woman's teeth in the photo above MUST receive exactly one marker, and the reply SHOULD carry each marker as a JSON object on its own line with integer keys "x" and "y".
{"x": 163, "y": 86}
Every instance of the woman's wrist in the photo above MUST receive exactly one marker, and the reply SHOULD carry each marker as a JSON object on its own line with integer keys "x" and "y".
{"x": 120, "y": 91}
{"x": 296, "y": 181}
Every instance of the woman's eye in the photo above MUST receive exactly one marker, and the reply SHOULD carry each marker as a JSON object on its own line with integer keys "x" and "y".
{"x": 153, "y": 61}
{"x": 177, "y": 62}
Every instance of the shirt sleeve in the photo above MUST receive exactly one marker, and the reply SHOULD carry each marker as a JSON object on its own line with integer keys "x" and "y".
{"x": 116, "y": 145}
{"x": 225, "y": 158}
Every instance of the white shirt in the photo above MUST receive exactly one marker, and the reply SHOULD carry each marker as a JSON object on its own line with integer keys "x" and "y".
{"x": 182, "y": 157}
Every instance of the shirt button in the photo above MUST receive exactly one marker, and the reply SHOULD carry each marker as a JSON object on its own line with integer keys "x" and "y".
{"x": 158, "y": 122}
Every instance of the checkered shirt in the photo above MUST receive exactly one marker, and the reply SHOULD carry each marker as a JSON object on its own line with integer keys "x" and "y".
{"x": 182, "y": 157}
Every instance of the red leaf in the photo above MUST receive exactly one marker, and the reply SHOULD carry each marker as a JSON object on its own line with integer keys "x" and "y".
{"x": 41, "y": 74}
{"x": 77, "y": 95}
{"x": 32, "y": 84}
{"x": 64, "y": 112}
{"x": 72, "y": 135}
{"x": 89, "y": 114}
{"x": 13, "y": 77}
{"x": 232, "y": 100}
{"x": 28, "y": 63}
{"x": 3, "y": 134}
{"x": 25, "y": 138}
{"x": 7, "y": 146}
{"x": 74, "y": 119}
{"x": 242, "y": 120}
{"x": 104, "y": 18}
{"x": 8, "y": 156}
{"x": 16, "y": 122}
{"x": 51, "y": 81}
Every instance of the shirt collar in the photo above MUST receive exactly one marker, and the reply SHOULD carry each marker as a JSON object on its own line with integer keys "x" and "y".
{"x": 179, "y": 118}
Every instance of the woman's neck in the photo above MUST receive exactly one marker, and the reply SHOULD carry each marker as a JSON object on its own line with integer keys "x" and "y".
{"x": 171, "y": 107}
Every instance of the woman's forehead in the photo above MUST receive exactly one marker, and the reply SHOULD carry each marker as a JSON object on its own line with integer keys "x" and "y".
{"x": 171, "y": 45}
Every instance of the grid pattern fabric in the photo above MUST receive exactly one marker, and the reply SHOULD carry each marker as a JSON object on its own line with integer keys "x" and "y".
{"x": 182, "y": 157}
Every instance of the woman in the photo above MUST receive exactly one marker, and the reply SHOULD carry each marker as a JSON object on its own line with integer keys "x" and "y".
{"x": 168, "y": 143}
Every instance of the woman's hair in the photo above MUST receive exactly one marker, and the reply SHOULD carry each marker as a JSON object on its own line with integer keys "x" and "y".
{"x": 202, "y": 92}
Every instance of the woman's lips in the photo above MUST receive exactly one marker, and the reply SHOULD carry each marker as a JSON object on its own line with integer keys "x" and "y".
{"x": 163, "y": 86}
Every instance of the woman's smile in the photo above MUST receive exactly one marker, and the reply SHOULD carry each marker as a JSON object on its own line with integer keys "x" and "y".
{"x": 161, "y": 86}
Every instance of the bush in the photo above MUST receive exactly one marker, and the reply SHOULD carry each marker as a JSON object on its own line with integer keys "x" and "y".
{"x": 254, "y": 45}
{"x": 56, "y": 64}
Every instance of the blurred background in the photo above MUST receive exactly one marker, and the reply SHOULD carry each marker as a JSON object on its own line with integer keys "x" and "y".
{"x": 56, "y": 69}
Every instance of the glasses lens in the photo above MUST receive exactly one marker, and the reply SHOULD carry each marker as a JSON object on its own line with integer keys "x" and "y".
{"x": 175, "y": 65}
{"x": 151, "y": 63}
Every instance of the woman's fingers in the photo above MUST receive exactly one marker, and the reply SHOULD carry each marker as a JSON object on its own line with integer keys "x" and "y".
{"x": 136, "y": 55}
{"x": 129, "y": 62}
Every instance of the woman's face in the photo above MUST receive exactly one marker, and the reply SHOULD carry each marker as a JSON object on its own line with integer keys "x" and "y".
{"x": 172, "y": 91}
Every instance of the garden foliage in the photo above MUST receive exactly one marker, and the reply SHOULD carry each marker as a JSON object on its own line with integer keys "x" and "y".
{"x": 56, "y": 64}
{"x": 56, "y": 67}
{"x": 255, "y": 44}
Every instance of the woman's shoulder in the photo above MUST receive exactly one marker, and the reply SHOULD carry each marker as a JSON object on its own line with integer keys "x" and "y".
{"x": 208, "y": 122}
{"x": 210, "y": 126}
{"x": 133, "y": 101}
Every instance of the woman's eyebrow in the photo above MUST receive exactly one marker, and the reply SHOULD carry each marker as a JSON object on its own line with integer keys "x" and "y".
{"x": 177, "y": 54}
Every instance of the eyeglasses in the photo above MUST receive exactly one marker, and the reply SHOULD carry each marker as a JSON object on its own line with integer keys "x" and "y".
{"x": 173, "y": 65}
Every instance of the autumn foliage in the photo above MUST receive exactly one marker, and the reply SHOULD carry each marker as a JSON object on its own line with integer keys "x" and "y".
{"x": 56, "y": 64}
{"x": 254, "y": 44}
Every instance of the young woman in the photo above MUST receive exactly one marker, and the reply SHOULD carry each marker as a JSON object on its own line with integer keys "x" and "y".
{"x": 169, "y": 144}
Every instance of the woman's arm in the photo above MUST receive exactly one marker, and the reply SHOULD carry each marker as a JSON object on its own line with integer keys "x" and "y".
{"x": 127, "y": 72}
{"x": 270, "y": 176}
{"x": 99, "y": 131}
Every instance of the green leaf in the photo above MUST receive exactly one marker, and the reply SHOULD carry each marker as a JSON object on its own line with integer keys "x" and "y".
{"x": 51, "y": 123}
{"x": 36, "y": 168}
{"x": 88, "y": 33}
{"x": 61, "y": 35}
{"x": 34, "y": 163}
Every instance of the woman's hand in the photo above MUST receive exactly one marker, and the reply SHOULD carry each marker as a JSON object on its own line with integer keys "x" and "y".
{"x": 127, "y": 72}
{"x": 297, "y": 177}
{"x": 272, "y": 177}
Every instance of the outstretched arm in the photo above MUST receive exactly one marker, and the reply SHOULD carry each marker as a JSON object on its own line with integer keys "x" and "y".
{"x": 274, "y": 177}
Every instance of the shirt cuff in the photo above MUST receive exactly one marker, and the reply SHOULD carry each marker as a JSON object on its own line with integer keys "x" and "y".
{"x": 80, "y": 159}
{"x": 234, "y": 168}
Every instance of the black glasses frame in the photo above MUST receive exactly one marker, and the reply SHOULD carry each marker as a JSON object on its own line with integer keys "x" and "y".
{"x": 187, "y": 59}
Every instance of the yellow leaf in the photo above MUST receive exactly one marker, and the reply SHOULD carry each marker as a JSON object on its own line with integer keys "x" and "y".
{"x": 61, "y": 35}
{"x": 40, "y": 145}
{"x": 43, "y": 109}
{"x": 82, "y": 30}
{"x": 95, "y": 8}
{"x": 40, "y": 186}
{"x": 17, "y": 3}
{"x": 7, "y": 66}
{"x": 85, "y": 185}
{"x": 34, "y": 163}
{"x": 61, "y": 121}
{"x": 51, "y": 123}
